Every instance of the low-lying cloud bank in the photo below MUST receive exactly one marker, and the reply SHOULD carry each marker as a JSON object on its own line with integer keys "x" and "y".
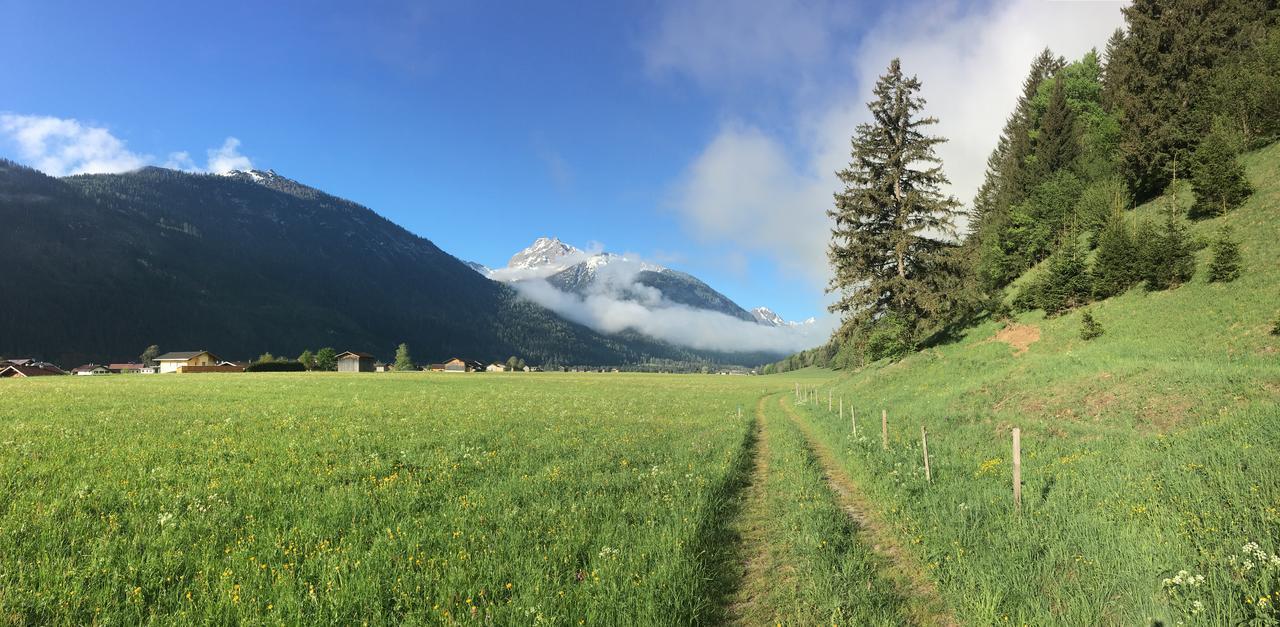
{"x": 66, "y": 146}
{"x": 617, "y": 301}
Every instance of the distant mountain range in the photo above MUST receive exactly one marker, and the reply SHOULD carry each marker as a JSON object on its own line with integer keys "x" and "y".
{"x": 97, "y": 267}
{"x": 572, "y": 270}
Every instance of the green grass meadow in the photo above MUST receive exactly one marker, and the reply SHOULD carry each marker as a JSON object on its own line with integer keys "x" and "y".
{"x": 1151, "y": 483}
{"x": 430, "y": 498}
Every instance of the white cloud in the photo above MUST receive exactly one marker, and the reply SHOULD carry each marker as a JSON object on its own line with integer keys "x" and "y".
{"x": 60, "y": 147}
{"x": 768, "y": 192}
{"x": 725, "y": 44}
{"x": 743, "y": 189}
{"x": 181, "y": 161}
{"x": 617, "y": 302}
{"x": 65, "y": 146}
{"x": 227, "y": 158}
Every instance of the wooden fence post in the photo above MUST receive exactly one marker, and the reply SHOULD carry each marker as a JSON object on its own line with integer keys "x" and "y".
{"x": 828, "y": 401}
{"x": 884, "y": 429}
{"x": 853, "y": 417}
{"x": 924, "y": 444}
{"x": 1017, "y": 469}
{"x": 841, "y": 408}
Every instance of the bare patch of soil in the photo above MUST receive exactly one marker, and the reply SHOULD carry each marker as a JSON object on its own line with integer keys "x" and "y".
{"x": 1019, "y": 336}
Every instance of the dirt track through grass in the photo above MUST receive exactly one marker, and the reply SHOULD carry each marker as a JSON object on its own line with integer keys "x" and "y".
{"x": 755, "y": 557}
{"x": 923, "y": 603}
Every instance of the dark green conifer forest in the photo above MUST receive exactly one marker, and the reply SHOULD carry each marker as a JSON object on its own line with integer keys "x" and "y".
{"x": 1170, "y": 103}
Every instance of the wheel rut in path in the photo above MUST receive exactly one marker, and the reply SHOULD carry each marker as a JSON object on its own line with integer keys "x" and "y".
{"x": 924, "y": 603}
{"x": 756, "y": 560}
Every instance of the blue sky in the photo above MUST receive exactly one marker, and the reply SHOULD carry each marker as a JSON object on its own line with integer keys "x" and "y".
{"x": 698, "y": 134}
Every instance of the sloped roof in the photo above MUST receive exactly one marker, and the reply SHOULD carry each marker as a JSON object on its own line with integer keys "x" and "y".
{"x": 354, "y": 354}
{"x": 180, "y": 355}
{"x": 28, "y": 371}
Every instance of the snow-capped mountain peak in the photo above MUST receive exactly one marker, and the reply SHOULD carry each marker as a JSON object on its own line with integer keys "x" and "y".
{"x": 544, "y": 251}
{"x": 257, "y": 176}
{"x": 767, "y": 317}
{"x": 764, "y": 315}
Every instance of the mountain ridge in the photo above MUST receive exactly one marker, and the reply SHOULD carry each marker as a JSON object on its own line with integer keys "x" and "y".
{"x": 102, "y": 265}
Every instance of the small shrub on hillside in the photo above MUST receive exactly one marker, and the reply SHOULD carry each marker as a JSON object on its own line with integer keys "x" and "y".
{"x": 1275, "y": 329}
{"x": 1067, "y": 284}
{"x": 1225, "y": 266}
{"x": 1089, "y": 327}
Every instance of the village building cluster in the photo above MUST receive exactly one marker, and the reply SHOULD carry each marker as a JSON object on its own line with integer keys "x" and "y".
{"x": 204, "y": 362}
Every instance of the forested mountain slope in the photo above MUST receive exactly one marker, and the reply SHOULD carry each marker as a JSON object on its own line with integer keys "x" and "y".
{"x": 101, "y": 266}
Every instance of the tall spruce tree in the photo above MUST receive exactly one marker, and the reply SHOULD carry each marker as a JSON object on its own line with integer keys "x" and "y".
{"x": 1217, "y": 177}
{"x": 1225, "y": 266}
{"x": 891, "y": 212}
{"x": 1057, "y": 145}
{"x": 1117, "y": 266}
{"x": 1067, "y": 284}
{"x": 1168, "y": 258}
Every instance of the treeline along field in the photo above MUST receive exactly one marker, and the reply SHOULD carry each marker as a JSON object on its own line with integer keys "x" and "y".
{"x": 340, "y": 499}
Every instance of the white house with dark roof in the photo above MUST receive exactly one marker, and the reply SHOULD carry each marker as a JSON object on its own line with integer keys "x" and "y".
{"x": 172, "y": 362}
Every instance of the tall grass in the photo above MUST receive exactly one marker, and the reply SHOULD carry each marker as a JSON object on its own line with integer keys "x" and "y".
{"x": 382, "y": 498}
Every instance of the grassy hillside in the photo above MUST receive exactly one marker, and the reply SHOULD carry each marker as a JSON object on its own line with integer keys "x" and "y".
{"x": 1147, "y": 451}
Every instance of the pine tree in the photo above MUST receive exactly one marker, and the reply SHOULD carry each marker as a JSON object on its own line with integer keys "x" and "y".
{"x": 1057, "y": 144}
{"x": 1168, "y": 258}
{"x": 1217, "y": 176}
{"x": 1010, "y": 178}
{"x": 403, "y": 361}
{"x": 1089, "y": 327}
{"x": 149, "y": 355}
{"x": 1225, "y": 266}
{"x": 1067, "y": 284}
{"x": 890, "y": 211}
{"x": 1118, "y": 265}
{"x": 1159, "y": 79}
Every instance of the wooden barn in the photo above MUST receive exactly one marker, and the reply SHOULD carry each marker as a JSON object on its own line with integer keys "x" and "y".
{"x": 355, "y": 362}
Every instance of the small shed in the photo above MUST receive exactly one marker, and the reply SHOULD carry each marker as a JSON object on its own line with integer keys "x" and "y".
{"x": 355, "y": 362}
{"x": 496, "y": 367}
